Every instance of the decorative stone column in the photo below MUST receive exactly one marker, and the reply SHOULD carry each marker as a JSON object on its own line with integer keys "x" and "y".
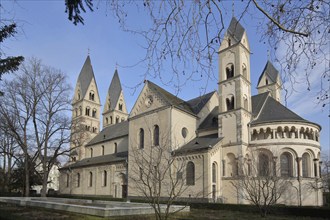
{"x": 275, "y": 166}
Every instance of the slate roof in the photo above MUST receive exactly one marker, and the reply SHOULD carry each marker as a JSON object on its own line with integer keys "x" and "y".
{"x": 198, "y": 103}
{"x": 235, "y": 29}
{"x": 270, "y": 71}
{"x": 114, "y": 90}
{"x": 170, "y": 98}
{"x": 85, "y": 77}
{"x": 93, "y": 161}
{"x": 211, "y": 121}
{"x": 267, "y": 109}
{"x": 199, "y": 143}
{"x": 111, "y": 132}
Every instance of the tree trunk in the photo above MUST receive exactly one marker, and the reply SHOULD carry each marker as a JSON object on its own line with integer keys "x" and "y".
{"x": 27, "y": 174}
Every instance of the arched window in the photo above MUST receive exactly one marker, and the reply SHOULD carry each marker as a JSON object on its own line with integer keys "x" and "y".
{"x": 214, "y": 172}
{"x": 106, "y": 120}
{"x": 102, "y": 149}
{"x": 80, "y": 110}
{"x": 78, "y": 179}
{"x": 115, "y": 148}
{"x": 91, "y": 95}
{"x": 232, "y": 165}
{"x": 94, "y": 113}
{"x": 104, "y": 178}
{"x": 190, "y": 180}
{"x": 245, "y": 101}
{"x": 87, "y": 111}
{"x": 91, "y": 152}
{"x": 78, "y": 95}
{"x": 141, "y": 138}
{"x": 286, "y": 164}
{"x": 76, "y": 112}
{"x": 117, "y": 119}
{"x": 156, "y": 135}
{"x": 90, "y": 179}
{"x": 230, "y": 103}
{"x": 244, "y": 70}
{"x": 111, "y": 120}
{"x": 263, "y": 164}
{"x": 306, "y": 165}
{"x": 230, "y": 71}
{"x": 229, "y": 42}
{"x": 120, "y": 106}
{"x": 266, "y": 81}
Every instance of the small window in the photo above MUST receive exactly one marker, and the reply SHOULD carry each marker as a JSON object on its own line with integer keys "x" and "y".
{"x": 80, "y": 110}
{"x": 90, "y": 181}
{"x": 94, "y": 113}
{"x": 286, "y": 164}
{"x": 115, "y": 148}
{"x": 120, "y": 107}
{"x": 184, "y": 132}
{"x": 78, "y": 179}
{"x": 230, "y": 71}
{"x": 106, "y": 120}
{"x": 156, "y": 135}
{"x": 190, "y": 178}
{"x": 87, "y": 111}
{"x": 104, "y": 178}
{"x": 111, "y": 120}
{"x": 229, "y": 42}
{"x": 266, "y": 81}
{"x": 230, "y": 103}
{"x": 91, "y": 151}
{"x": 102, "y": 149}
{"x": 141, "y": 138}
{"x": 67, "y": 180}
{"x": 117, "y": 120}
{"x": 91, "y": 95}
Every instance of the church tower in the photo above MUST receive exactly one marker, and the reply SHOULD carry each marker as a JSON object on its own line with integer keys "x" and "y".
{"x": 86, "y": 111}
{"x": 234, "y": 86}
{"x": 114, "y": 110}
{"x": 270, "y": 81}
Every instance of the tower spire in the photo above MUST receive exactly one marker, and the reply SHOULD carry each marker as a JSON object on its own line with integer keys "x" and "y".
{"x": 233, "y": 8}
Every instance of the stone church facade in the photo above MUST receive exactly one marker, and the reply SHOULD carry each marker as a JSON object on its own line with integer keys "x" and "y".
{"x": 219, "y": 137}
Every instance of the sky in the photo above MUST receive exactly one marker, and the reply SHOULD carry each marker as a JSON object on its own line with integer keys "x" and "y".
{"x": 46, "y": 33}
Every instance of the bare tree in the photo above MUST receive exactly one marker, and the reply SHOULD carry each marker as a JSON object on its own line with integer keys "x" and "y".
{"x": 158, "y": 176}
{"x": 36, "y": 113}
{"x": 259, "y": 182}
{"x": 187, "y": 34}
{"x": 9, "y": 153}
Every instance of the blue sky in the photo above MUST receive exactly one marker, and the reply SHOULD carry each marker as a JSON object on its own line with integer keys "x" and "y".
{"x": 47, "y": 34}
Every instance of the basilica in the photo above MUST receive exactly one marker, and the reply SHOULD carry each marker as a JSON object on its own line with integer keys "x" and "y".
{"x": 207, "y": 143}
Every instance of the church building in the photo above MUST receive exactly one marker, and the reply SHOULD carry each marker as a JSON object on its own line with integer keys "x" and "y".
{"x": 208, "y": 144}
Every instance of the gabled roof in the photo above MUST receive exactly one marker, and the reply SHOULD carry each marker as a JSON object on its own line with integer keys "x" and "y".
{"x": 211, "y": 121}
{"x": 267, "y": 109}
{"x": 235, "y": 29}
{"x": 86, "y": 75}
{"x": 199, "y": 143}
{"x": 258, "y": 102}
{"x": 198, "y": 103}
{"x": 110, "y": 132}
{"x": 114, "y": 90}
{"x": 270, "y": 71}
{"x": 93, "y": 161}
{"x": 169, "y": 98}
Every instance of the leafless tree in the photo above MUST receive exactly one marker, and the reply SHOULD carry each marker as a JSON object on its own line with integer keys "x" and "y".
{"x": 186, "y": 35}
{"x": 158, "y": 176}
{"x": 35, "y": 110}
{"x": 259, "y": 182}
{"x": 9, "y": 153}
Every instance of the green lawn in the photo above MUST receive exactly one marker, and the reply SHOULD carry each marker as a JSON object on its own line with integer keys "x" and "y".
{"x": 12, "y": 212}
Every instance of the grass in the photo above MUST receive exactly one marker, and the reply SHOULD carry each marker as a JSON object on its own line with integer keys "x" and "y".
{"x": 13, "y": 212}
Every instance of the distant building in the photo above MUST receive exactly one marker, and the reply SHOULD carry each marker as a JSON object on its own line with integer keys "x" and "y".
{"x": 53, "y": 177}
{"x": 214, "y": 133}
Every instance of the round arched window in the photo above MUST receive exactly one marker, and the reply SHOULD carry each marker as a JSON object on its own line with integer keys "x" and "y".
{"x": 184, "y": 132}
